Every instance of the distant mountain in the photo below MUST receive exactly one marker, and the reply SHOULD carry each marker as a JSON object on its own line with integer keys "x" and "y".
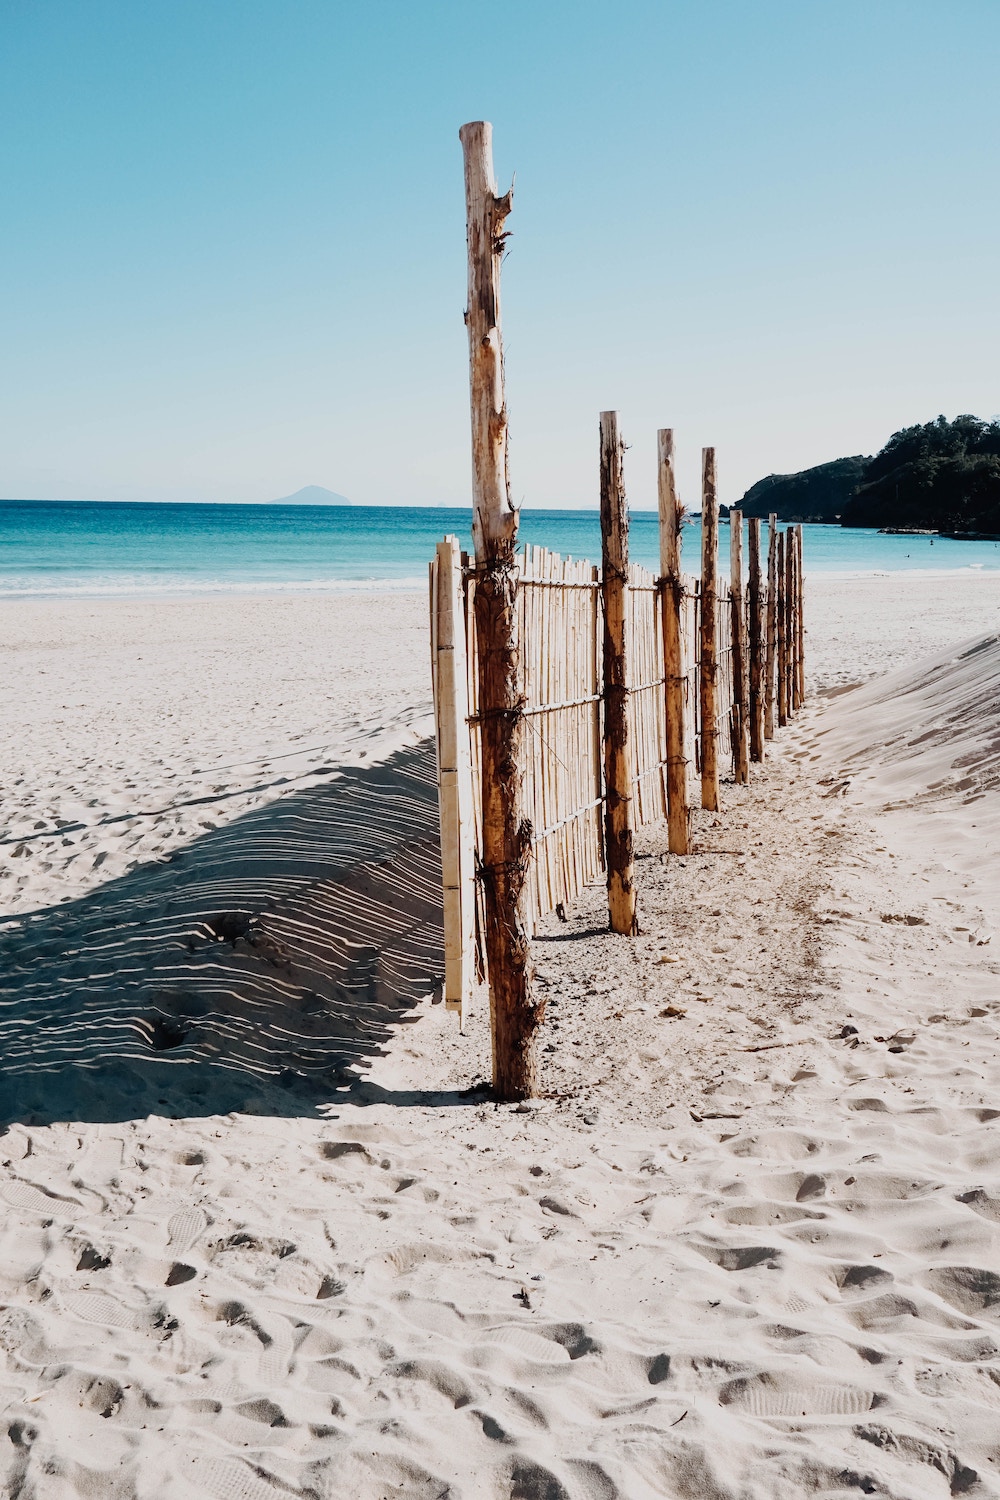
{"x": 313, "y": 494}
{"x": 817, "y": 494}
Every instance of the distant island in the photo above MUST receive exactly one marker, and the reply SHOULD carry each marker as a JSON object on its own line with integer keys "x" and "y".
{"x": 313, "y": 494}
{"x": 941, "y": 476}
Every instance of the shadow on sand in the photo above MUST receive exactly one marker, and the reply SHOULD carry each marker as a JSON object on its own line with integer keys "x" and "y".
{"x": 256, "y": 969}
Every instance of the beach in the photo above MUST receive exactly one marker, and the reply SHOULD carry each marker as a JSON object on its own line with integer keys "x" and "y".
{"x": 266, "y": 1234}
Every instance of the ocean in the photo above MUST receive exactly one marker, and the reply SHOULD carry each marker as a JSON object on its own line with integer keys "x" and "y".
{"x": 89, "y": 549}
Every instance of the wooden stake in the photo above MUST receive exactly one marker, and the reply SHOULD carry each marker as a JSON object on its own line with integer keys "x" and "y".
{"x": 782, "y": 612}
{"x": 506, "y": 835}
{"x": 614, "y": 586}
{"x": 741, "y": 716}
{"x": 458, "y": 855}
{"x": 770, "y": 661}
{"x": 790, "y": 623}
{"x": 800, "y": 651}
{"x": 709, "y": 663}
{"x": 671, "y": 599}
{"x": 756, "y": 646}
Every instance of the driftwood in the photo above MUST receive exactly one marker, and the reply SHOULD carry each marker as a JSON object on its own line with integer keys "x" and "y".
{"x": 708, "y": 676}
{"x": 671, "y": 595}
{"x": 756, "y": 646}
{"x": 515, "y": 1014}
{"x": 618, "y": 835}
{"x": 740, "y": 721}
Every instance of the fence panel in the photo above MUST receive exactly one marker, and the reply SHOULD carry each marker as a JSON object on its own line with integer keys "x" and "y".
{"x": 561, "y": 681}
{"x": 559, "y": 608}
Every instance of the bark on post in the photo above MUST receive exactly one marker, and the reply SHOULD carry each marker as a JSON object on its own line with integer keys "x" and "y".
{"x": 770, "y": 660}
{"x": 782, "y": 611}
{"x": 515, "y": 1015}
{"x": 800, "y": 645}
{"x": 709, "y": 663}
{"x": 756, "y": 647}
{"x": 618, "y": 834}
{"x": 671, "y": 596}
{"x": 741, "y": 726}
{"x": 791, "y": 622}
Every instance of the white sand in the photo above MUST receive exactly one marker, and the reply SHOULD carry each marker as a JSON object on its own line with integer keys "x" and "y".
{"x": 749, "y": 1250}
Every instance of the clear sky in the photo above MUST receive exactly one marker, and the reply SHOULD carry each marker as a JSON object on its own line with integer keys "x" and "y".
{"x": 233, "y": 259}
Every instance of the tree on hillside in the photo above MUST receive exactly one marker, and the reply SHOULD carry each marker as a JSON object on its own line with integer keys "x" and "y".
{"x": 939, "y": 475}
{"x": 816, "y": 494}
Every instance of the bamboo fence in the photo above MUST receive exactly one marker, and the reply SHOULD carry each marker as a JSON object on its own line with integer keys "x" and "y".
{"x": 562, "y": 693}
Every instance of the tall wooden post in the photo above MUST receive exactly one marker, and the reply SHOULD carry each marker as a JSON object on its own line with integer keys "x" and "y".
{"x": 791, "y": 623}
{"x": 782, "y": 611}
{"x": 709, "y": 663}
{"x": 741, "y": 726}
{"x": 671, "y": 596}
{"x": 618, "y": 833}
{"x": 515, "y": 1014}
{"x": 756, "y": 652}
{"x": 770, "y": 660}
{"x": 800, "y": 646}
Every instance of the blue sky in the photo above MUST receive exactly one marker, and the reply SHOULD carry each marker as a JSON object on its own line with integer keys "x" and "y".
{"x": 233, "y": 256}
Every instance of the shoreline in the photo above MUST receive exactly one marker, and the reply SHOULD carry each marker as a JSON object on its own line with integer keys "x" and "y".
{"x": 338, "y": 588}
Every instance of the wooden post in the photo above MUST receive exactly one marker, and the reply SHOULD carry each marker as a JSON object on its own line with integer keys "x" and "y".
{"x": 782, "y": 612}
{"x": 709, "y": 662}
{"x": 772, "y": 626}
{"x": 756, "y": 650}
{"x": 515, "y": 1014}
{"x": 800, "y": 645}
{"x": 618, "y": 834}
{"x": 791, "y": 595}
{"x": 451, "y": 703}
{"x": 791, "y": 623}
{"x": 741, "y": 725}
{"x": 671, "y": 596}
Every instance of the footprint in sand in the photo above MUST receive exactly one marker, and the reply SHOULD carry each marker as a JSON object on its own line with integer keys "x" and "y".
{"x": 768, "y": 1395}
{"x": 37, "y": 1200}
{"x": 96, "y": 1307}
{"x": 185, "y": 1227}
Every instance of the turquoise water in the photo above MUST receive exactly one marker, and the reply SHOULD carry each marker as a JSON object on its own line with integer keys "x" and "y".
{"x": 52, "y": 548}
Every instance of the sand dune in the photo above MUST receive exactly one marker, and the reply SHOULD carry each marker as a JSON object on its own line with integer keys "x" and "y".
{"x": 746, "y": 1247}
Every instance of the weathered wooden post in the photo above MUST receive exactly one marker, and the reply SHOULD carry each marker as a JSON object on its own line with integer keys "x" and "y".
{"x": 618, "y": 833}
{"x": 515, "y": 1015}
{"x": 741, "y": 726}
{"x": 789, "y": 618}
{"x": 800, "y": 653}
{"x": 792, "y": 564}
{"x": 772, "y": 626}
{"x": 782, "y": 609}
{"x": 708, "y": 676}
{"x": 454, "y": 760}
{"x": 671, "y": 595}
{"x": 756, "y": 623}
